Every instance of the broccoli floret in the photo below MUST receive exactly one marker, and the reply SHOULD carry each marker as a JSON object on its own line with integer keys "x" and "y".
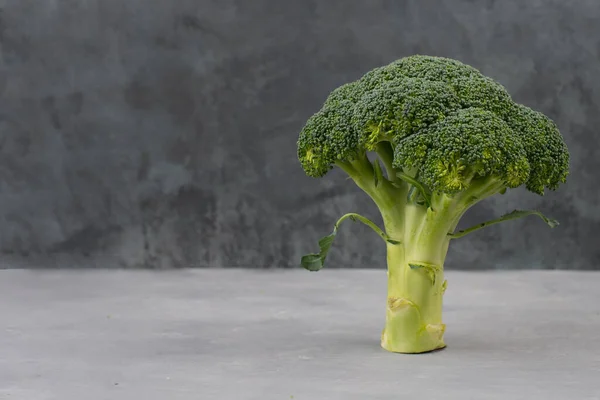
{"x": 468, "y": 144}
{"x": 544, "y": 145}
{"x": 397, "y": 109}
{"x": 447, "y": 137}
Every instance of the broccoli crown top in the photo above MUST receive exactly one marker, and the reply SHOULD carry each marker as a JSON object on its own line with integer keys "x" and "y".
{"x": 444, "y": 119}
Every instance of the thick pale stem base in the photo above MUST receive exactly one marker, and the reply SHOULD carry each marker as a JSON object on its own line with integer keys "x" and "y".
{"x": 416, "y": 284}
{"x": 414, "y": 305}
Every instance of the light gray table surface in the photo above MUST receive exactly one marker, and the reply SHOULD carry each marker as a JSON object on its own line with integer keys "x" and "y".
{"x": 283, "y": 334}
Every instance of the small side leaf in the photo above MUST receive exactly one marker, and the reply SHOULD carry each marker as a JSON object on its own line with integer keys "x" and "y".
{"x": 444, "y": 286}
{"x": 430, "y": 269}
{"x": 552, "y": 223}
{"x": 326, "y": 242}
{"x": 314, "y": 262}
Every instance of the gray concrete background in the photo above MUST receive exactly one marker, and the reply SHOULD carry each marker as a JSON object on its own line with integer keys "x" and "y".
{"x": 162, "y": 134}
{"x": 291, "y": 335}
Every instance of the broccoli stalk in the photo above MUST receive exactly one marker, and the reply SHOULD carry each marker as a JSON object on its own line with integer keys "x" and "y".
{"x": 427, "y": 138}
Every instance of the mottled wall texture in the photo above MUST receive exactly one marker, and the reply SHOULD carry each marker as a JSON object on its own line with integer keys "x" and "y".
{"x": 162, "y": 134}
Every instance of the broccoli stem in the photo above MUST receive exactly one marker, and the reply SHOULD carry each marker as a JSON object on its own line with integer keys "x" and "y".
{"x": 416, "y": 278}
{"x": 413, "y": 322}
{"x": 385, "y": 151}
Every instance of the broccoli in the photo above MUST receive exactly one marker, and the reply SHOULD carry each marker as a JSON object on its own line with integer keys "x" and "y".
{"x": 426, "y": 138}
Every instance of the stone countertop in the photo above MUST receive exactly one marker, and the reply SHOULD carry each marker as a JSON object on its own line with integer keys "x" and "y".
{"x": 290, "y": 334}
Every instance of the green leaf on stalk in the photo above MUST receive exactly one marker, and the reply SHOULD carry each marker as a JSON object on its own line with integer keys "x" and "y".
{"x": 316, "y": 261}
{"x": 552, "y": 223}
{"x": 430, "y": 269}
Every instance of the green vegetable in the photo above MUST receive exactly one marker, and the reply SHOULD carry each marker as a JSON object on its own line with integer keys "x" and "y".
{"x": 443, "y": 137}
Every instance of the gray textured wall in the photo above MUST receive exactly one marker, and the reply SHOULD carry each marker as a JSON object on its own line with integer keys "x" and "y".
{"x": 139, "y": 133}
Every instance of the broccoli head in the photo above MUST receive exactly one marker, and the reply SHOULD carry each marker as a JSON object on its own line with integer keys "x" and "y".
{"x": 437, "y": 107}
